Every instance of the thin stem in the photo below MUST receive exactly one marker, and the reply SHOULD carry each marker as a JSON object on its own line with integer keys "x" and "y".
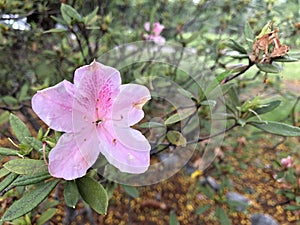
{"x": 229, "y": 78}
{"x": 80, "y": 45}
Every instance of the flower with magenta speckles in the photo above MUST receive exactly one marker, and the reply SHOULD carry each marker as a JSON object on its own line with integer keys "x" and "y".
{"x": 96, "y": 113}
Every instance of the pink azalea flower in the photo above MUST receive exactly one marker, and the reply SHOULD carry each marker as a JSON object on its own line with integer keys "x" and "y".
{"x": 154, "y": 33}
{"x": 95, "y": 113}
{"x": 287, "y": 162}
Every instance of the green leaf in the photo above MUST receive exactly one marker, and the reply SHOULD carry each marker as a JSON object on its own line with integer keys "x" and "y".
{"x": 47, "y": 215}
{"x": 236, "y": 46}
{"x": 31, "y": 179}
{"x": 4, "y": 172}
{"x": 71, "y": 194}
{"x": 236, "y": 55}
{"x": 9, "y": 152}
{"x": 35, "y": 143}
{"x": 131, "y": 191}
{"x": 180, "y": 115}
{"x": 23, "y": 94}
{"x": 68, "y": 13}
{"x": 64, "y": 14}
{"x": 30, "y": 200}
{"x": 210, "y": 103}
{"x": 191, "y": 38}
{"x": 91, "y": 17}
{"x": 185, "y": 93}
{"x": 292, "y": 207}
{"x": 55, "y": 30}
{"x": 4, "y": 117}
{"x": 222, "y": 216}
{"x": 214, "y": 83}
{"x": 151, "y": 125}
{"x": 176, "y": 138}
{"x": 285, "y": 58}
{"x": 202, "y": 209}
{"x": 7, "y": 181}
{"x": 268, "y": 107}
{"x": 269, "y": 68}
{"x": 249, "y": 35}
{"x": 9, "y": 100}
{"x": 173, "y": 219}
{"x": 26, "y": 166}
{"x": 276, "y": 128}
{"x": 51, "y": 204}
{"x": 20, "y": 129}
{"x": 58, "y": 20}
{"x": 93, "y": 194}
{"x": 110, "y": 188}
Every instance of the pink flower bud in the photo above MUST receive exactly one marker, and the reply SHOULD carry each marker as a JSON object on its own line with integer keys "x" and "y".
{"x": 287, "y": 162}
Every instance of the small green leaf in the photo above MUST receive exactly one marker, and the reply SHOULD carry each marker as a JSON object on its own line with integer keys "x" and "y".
{"x": 176, "y": 138}
{"x": 173, "y": 219}
{"x": 47, "y": 215}
{"x": 20, "y": 129}
{"x": 214, "y": 83}
{"x": 71, "y": 193}
{"x": 269, "y": 68}
{"x": 91, "y": 17}
{"x": 31, "y": 179}
{"x": 210, "y": 103}
{"x": 110, "y": 188}
{"x": 236, "y": 46}
{"x": 193, "y": 37}
{"x": 151, "y": 125}
{"x": 23, "y": 94}
{"x": 131, "y": 191}
{"x": 68, "y": 13}
{"x": 202, "y": 209}
{"x": 9, "y": 152}
{"x": 35, "y": 143}
{"x": 9, "y": 100}
{"x": 292, "y": 207}
{"x": 65, "y": 15}
{"x": 180, "y": 115}
{"x": 93, "y": 194}
{"x": 266, "y": 29}
{"x": 276, "y": 128}
{"x": 58, "y": 20}
{"x": 55, "y": 30}
{"x": 7, "y": 181}
{"x": 285, "y": 58}
{"x": 26, "y": 166}
{"x": 4, "y": 117}
{"x": 249, "y": 35}
{"x": 30, "y": 200}
{"x": 185, "y": 93}
{"x": 222, "y": 216}
{"x": 236, "y": 55}
{"x": 4, "y": 172}
{"x": 268, "y": 107}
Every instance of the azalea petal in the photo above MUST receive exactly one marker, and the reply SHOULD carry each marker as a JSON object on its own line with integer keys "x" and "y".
{"x": 157, "y": 28}
{"x": 97, "y": 85}
{"x": 73, "y": 155}
{"x": 127, "y": 108}
{"x": 147, "y": 26}
{"x": 125, "y": 148}
{"x": 54, "y": 106}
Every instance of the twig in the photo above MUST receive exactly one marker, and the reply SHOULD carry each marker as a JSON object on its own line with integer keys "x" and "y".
{"x": 79, "y": 44}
